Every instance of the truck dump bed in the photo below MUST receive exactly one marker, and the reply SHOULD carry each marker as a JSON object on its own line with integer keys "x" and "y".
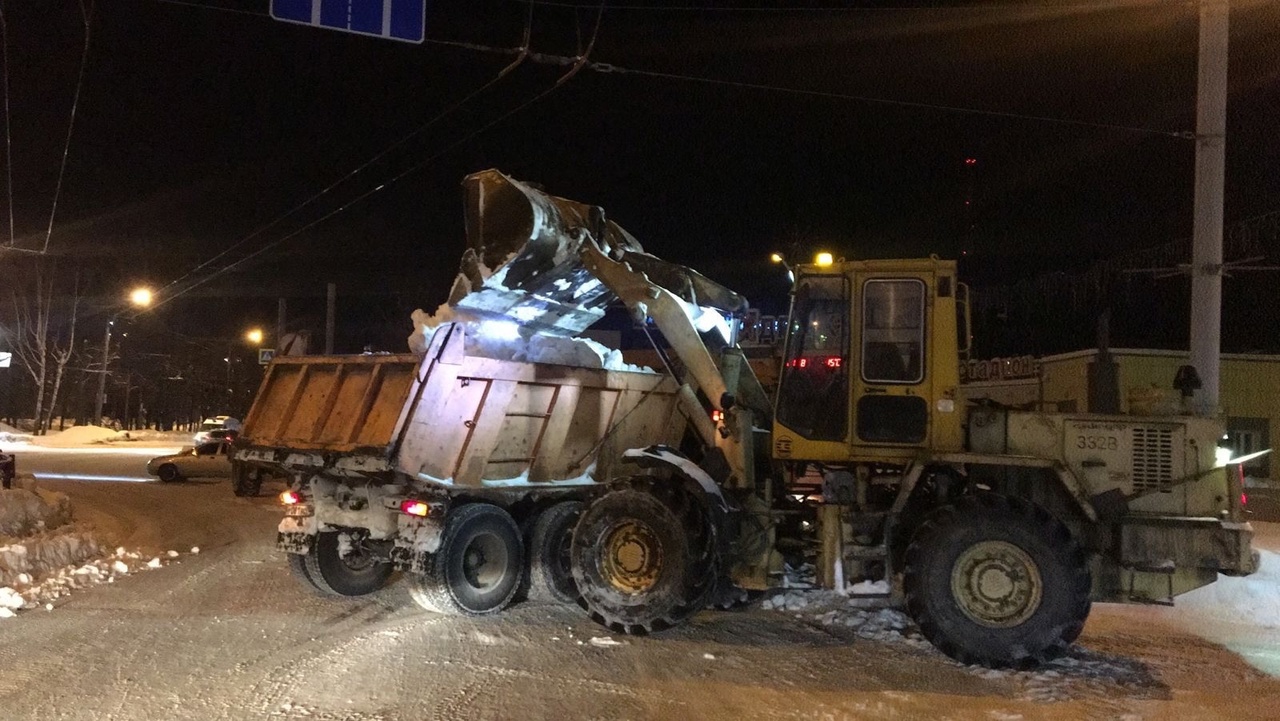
{"x": 453, "y": 419}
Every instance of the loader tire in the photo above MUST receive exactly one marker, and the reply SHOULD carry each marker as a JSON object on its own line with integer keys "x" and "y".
{"x": 549, "y": 546}
{"x": 997, "y": 581}
{"x": 356, "y": 574}
{"x": 640, "y": 564}
{"x": 246, "y": 481}
{"x": 478, "y": 567}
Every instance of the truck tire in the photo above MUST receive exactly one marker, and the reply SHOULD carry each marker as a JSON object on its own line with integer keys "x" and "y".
{"x": 169, "y": 473}
{"x": 356, "y": 574}
{"x": 549, "y": 547}
{"x": 638, "y": 565}
{"x": 478, "y": 567}
{"x": 298, "y": 569}
{"x": 997, "y": 581}
{"x": 246, "y": 481}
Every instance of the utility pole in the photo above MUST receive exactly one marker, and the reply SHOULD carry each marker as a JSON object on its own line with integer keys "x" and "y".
{"x": 280, "y": 323}
{"x": 330, "y": 311}
{"x": 102, "y": 376}
{"x": 1206, "y": 251}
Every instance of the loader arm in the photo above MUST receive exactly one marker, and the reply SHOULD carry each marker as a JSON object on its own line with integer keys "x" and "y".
{"x": 552, "y": 265}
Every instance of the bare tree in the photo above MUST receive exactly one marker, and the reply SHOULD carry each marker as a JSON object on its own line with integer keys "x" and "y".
{"x": 61, "y": 354}
{"x": 30, "y": 338}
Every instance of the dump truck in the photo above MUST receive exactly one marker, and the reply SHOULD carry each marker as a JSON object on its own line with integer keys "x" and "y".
{"x": 481, "y": 479}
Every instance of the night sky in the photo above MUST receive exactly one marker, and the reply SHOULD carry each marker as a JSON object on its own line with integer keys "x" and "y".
{"x": 198, "y": 126}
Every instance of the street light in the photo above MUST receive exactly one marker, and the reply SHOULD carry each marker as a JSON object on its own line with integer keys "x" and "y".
{"x": 140, "y": 298}
{"x": 254, "y": 336}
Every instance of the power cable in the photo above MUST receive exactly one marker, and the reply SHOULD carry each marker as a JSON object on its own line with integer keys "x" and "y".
{"x": 8, "y": 139}
{"x": 863, "y": 7}
{"x": 609, "y": 68}
{"x": 87, "y": 14}
{"x": 521, "y": 53}
{"x": 583, "y": 61}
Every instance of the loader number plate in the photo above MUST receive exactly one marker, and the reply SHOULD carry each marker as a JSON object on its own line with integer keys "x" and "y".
{"x": 1101, "y": 443}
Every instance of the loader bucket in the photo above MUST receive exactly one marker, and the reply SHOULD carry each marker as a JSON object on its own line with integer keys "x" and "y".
{"x": 531, "y": 241}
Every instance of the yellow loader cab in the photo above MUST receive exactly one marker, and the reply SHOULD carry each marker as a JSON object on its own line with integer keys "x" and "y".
{"x": 871, "y": 371}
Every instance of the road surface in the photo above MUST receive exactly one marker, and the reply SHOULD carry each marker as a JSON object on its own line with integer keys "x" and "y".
{"x": 228, "y": 634}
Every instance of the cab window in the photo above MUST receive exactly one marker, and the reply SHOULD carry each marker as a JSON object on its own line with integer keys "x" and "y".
{"x": 813, "y": 392}
{"x": 893, "y": 331}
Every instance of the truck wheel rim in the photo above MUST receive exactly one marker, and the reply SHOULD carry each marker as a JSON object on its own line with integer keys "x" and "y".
{"x": 633, "y": 557}
{"x": 484, "y": 561}
{"x": 996, "y": 584}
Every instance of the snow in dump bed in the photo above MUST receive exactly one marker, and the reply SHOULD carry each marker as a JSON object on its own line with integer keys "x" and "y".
{"x": 506, "y": 340}
{"x": 44, "y": 556}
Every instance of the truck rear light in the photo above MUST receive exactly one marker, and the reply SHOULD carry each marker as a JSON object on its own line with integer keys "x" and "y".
{"x": 414, "y": 508}
{"x": 289, "y": 498}
{"x": 717, "y": 416}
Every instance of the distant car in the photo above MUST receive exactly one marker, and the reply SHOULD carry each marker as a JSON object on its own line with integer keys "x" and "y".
{"x": 217, "y": 434}
{"x": 207, "y": 460}
{"x": 217, "y": 428}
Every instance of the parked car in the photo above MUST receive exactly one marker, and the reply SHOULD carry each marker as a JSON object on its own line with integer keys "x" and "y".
{"x": 217, "y": 428}
{"x": 203, "y": 461}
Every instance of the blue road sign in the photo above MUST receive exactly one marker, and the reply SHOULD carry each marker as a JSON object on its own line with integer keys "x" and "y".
{"x": 266, "y": 355}
{"x": 395, "y": 19}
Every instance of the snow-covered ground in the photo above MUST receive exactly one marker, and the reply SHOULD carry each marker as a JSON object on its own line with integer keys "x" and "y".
{"x": 95, "y": 437}
{"x": 46, "y": 555}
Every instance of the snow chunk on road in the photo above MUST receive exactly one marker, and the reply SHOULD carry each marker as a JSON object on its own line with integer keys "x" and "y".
{"x": 11, "y": 599}
{"x": 605, "y": 641}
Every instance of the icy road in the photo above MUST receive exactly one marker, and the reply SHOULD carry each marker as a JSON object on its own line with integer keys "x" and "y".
{"x": 228, "y": 634}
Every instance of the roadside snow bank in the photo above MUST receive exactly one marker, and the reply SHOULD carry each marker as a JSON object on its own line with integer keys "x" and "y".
{"x": 23, "y": 512}
{"x": 1252, "y": 600}
{"x": 75, "y": 436}
{"x": 30, "y": 592}
{"x": 9, "y": 434}
{"x": 44, "y": 556}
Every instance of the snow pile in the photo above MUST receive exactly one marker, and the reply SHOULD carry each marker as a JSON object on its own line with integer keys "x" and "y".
{"x": 23, "y": 512}
{"x": 150, "y": 436}
{"x": 76, "y": 436}
{"x": 1078, "y": 673}
{"x": 26, "y": 592}
{"x": 44, "y": 556}
{"x": 832, "y": 608}
{"x": 1253, "y": 599}
{"x": 39, "y": 555}
{"x": 9, "y": 434}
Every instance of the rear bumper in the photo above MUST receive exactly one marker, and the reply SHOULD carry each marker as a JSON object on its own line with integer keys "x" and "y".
{"x": 1200, "y": 543}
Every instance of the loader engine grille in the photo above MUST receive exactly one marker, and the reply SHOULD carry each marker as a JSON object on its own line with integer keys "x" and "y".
{"x": 1152, "y": 459}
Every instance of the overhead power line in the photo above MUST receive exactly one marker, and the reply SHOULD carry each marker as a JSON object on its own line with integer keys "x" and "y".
{"x": 582, "y": 61}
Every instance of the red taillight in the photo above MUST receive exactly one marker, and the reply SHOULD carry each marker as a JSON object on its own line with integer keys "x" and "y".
{"x": 289, "y": 498}
{"x": 717, "y": 416}
{"x": 414, "y": 508}
{"x": 1244, "y": 498}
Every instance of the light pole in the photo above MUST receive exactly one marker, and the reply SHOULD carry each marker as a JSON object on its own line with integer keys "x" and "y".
{"x": 140, "y": 298}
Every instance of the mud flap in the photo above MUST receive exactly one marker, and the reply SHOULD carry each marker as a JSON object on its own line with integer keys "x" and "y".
{"x": 297, "y": 534}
